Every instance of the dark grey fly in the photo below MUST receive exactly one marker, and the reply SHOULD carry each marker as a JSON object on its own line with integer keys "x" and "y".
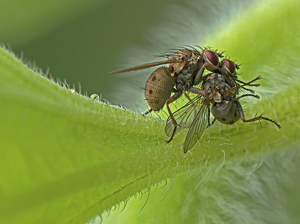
{"x": 218, "y": 95}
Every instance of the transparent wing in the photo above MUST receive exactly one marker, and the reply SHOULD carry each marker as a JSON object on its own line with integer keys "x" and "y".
{"x": 184, "y": 116}
{"x": 197, "y": 127}
{"x": 148, "y": 65}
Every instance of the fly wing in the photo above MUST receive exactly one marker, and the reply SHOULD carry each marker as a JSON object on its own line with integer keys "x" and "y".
{"x": 148, "y": 65}
{"x": 197, "y": 127}
{"x": 184, "y": 116}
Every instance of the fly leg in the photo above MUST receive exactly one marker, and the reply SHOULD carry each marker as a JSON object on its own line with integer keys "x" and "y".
{"x": 249, "y": 83}
{"x": 197, "y": 91}
{"x": 208, "y": 118}
{"x": 149, "y": 111}
{"x": 172, "y": 99}
{"x": 241, "y": 112}
{"x": 244, "y": 84}
{"x": 256, "y": 96}
{"x": 187, "y": 97}
{"x": 213, "y": 121}
{"x": 199, "y": 76}
{"x": 250, "y": 90}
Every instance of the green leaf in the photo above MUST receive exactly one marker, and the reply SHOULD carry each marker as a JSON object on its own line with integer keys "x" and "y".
{"x": 66, "y": 158}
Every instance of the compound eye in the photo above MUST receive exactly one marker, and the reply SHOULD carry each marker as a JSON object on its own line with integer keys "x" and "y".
{"x": 229, "y": 66}
{"x": 211, "y": 57}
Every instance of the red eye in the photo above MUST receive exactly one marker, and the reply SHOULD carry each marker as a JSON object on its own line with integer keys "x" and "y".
{"x": 229, "y": 65}
{"x": 212, "y": 57}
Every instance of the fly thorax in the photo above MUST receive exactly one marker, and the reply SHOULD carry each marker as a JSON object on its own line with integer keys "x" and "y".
{"x": 185, "y": 80}
{"x": 226, "y": 112}
{"x": 222, "y": 84}
{"x": 210, "y": 83}
{"x": 217, "y": 80}
{"x": 193, "y": 66}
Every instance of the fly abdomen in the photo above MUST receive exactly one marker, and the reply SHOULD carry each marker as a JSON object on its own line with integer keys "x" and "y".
{"x": 159, "y": 87}
{"x": 225, "y": 112}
